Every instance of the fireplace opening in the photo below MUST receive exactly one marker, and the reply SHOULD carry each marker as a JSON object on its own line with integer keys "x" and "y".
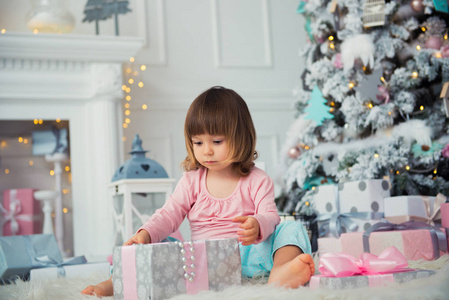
{"x": 35, "y": 154}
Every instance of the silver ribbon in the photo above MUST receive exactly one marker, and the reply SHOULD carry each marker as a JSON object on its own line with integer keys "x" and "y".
{"x": 333, "y": 223}
{"x": 46, "y": 261}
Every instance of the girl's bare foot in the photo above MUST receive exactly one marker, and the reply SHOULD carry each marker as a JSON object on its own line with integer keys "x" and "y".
{"x": 294, "y": 273}
{"x": 102, "y": 289}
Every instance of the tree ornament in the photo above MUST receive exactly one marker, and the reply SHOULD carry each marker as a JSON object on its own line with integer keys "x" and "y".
{"x": 317, "y": 110}
{"x": 434, "y": 42}
{"x": 441, "y": 5}
{"x": 358, "y": 46}
{"x": 373, "y": 13}
{"x": 294, "y": 152}
{"x": 445, "y": 95}
{"x": 417, "y": 5}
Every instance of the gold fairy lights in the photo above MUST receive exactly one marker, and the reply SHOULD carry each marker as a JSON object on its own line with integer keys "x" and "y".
{"x": 131, "y": 73}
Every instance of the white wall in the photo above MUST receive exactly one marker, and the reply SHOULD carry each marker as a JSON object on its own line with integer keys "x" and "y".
{"x": 250, "y": 46}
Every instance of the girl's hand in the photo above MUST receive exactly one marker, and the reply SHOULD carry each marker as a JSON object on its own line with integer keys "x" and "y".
{"x": 142, "y": 237}
{"x": 251, "y": 229}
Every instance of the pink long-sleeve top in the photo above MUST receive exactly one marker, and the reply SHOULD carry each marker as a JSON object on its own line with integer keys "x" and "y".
{"x": 211, "y": 217}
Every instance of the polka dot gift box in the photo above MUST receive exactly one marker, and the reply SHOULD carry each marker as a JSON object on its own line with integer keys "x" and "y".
{"x": 350, "y": 206}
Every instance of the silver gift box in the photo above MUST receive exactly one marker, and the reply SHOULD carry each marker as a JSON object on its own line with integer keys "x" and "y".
{"x": 163, "y": 270}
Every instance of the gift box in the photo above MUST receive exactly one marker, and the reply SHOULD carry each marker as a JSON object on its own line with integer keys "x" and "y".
{"x": 19, "y": 254}
{"x": 445, "y": 215}
{"x": 350, "y": 282}
{"x": 163, "y": 270}
{"x": 22, "y": 214}
{"x": 415, "y": 244}
{"x": 329, "y": 245}
{"x": 343, "y": 271}
{"x": 71, "y": 271}
{"x": 418, "y": 208}
{"x": 350, "y": 206}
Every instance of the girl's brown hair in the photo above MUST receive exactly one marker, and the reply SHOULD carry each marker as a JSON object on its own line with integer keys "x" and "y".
{"x": 221, "y": 111}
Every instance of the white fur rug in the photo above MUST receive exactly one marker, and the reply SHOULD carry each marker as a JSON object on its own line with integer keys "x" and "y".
{"x": 434, "y": 287}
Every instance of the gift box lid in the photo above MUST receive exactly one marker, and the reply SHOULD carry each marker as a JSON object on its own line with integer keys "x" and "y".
{"x": 406, "y": 205}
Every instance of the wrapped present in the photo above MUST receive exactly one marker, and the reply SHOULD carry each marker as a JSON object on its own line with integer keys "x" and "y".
{"x": 19, "y": 254}
{"x": 415, "y": 240}
{"x": 71, "y": 271}
{"x": 342, "y": 271}
{"x": 328, "y": 245}
{"x": 163, "y": 270}
{"x": 22, "y": 214}
{"x": 445, "y": 215}
{"x": 350, "y": 206}
{"x": 401, "y": 209}
{"x": 350, "y": 282}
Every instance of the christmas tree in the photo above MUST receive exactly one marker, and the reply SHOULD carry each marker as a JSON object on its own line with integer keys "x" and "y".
{"x": 382, "y": 70}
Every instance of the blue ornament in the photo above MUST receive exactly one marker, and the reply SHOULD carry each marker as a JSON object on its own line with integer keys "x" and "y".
{"x": 426, "y": 151}
{"x": 139, "y": 166}
{"x": 317, "y": 110}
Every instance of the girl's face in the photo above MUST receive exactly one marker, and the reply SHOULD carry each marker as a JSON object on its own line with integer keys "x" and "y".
{"x": 211, "y": 151}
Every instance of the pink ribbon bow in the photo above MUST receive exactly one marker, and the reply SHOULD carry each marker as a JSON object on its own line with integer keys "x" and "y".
{"x": 391, "y": 260}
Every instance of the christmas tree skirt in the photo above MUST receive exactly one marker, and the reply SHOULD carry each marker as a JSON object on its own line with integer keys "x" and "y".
{"x": 434, "y": 287}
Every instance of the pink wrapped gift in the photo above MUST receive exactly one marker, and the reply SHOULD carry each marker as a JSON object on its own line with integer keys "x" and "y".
{"x": 415, "y": 244}
{"x": 340, "y": 270}
{"x": 445, "y": 215}
{"x": 328, "y": 245}
{"x": 22, "y": 214}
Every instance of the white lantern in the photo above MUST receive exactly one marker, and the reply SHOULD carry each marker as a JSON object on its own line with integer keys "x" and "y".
{"x": 138, "y": 188}
{"x": 134, "y": 201}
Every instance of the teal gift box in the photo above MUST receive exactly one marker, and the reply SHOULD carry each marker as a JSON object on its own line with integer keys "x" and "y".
{"x": 19, "y": 254}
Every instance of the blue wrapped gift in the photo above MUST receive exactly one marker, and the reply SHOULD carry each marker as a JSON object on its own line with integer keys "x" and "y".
{"x": 19, "y": 254}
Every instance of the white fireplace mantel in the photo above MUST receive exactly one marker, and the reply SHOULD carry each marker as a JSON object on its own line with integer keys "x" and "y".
{"x": 76, "y": 78}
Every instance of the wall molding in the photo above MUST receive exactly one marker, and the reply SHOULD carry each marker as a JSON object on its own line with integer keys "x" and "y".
{"x": 154, "y": 51}
{"x": 218, "y": 45}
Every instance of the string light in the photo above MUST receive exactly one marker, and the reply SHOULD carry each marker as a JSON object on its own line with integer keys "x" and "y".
{"x": 127, "y": 120}
{"x": 370, "y": 105}
{"x": 415, "y": 74}
{"x": 306, "y": 147}
{"x": 332, "y": 46}
{"x": 36, "y": 121}
{"x": 128, "y": 98}
{"x": 140, "y": 84}
{"x": 35, "y": 31}
{"x": 418, "y": 47}
{"x": 52, "y": 172}
{"x": 20, "y": 139}
{"x": 67, "y": 168}
{"x": 131, "y": 59}
{"x": 143, "y": 67}
{"x": 128, "y": 90}
{"x": 435, "y": 171}
{"x": 3, "y": 144}
{"x": 124, "y": 87}
{"x": 58, "y": 120}
{"x": 65, "y": 210}
{"x": 3, "y": 30}
{"x": 6, "y": 171}
{"x": 331, "y": 38}
{"x": 31, "y": 163}
{"x": 25, "y": 141}
{"x": 407, "y": 168}
{"x": 376, "y": 155}
{"x": 125, "y": 125}
{"x": 41, "y": 121}
{"x": 126, "y": 105}
{"x": 127, "y": 112}
{"x": 123, "y": 138}
{"x": 421, "y": 107}
{"x": 144, "y": 106}
{"x": 351, "y": 85}
{"x": 130, "y": 81}
{"x": 423, "y": 29}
